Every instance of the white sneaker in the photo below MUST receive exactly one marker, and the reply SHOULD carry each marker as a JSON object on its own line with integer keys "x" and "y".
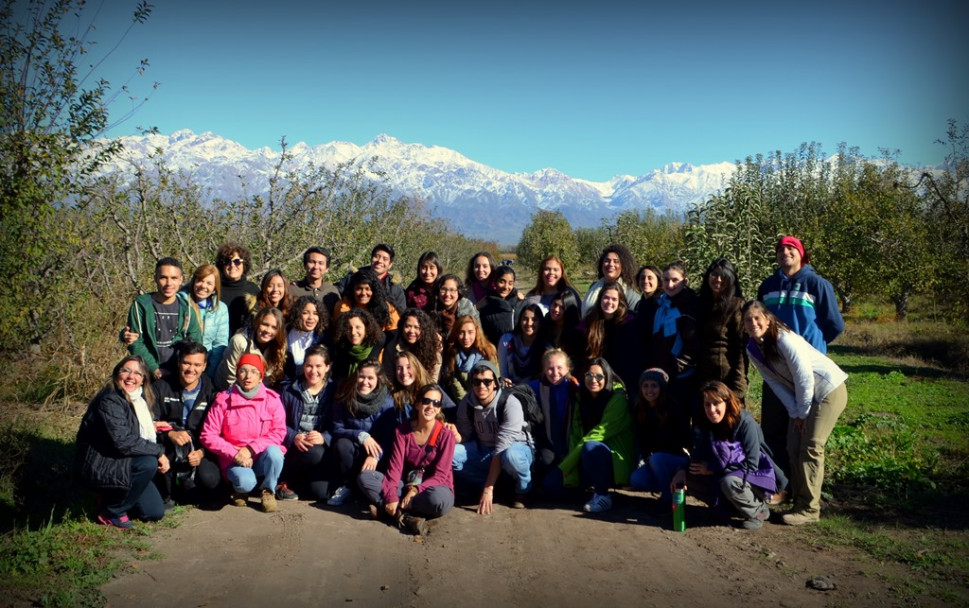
{"x": 598, "y": 503}
{"x": 339, "y": 497}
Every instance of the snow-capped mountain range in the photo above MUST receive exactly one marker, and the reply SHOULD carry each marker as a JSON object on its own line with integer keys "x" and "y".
{"x": 476, "y": 199}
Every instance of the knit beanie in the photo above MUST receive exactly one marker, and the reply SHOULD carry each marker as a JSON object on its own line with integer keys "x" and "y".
{"x": 253, "y": 360}
{"x": 480, "y": 366}
{"x": 655, "y": 374}
{"x": 796, "y": 244}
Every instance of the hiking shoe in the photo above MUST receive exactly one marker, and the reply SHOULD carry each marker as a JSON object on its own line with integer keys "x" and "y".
{"x": 268, "y": 501}
{"x": 598, "y": 503}
{"x": 799, "y": 518}
{"x": 115, "y": 521}
{"x": 169, "y": 505}
{"x": 284, "y": 493}
{"x": 339, "y": 497}
{"x": 752, "y": 524}
{"x": 519, "y": 502}
{"x": 414, "y": 525}
{"x": 238, "y": 499}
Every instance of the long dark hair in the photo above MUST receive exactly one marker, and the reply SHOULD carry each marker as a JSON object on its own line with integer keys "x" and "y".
{"x": 373, "y": 335}
{"x": 347, "y": 393}
{"x": 424, "y": 390}
{"x": 731, "y": 286}
{"x": 469, "y": 277}
{"x": 563, "y": 284}
{"x": 428, "y": 345}
{"x": 596, "y": 321}
{"x": 273, "y": 352}
{"x": 262, "y": 301}
{"x": 724, "y": 429}
{"x": 377, "y": 306}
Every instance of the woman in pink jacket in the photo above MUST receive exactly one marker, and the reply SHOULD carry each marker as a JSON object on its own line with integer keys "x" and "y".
{"x": 245, "y": 429}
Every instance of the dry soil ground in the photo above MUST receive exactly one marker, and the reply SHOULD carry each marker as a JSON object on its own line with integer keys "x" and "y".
{"x": 547, "y": 555}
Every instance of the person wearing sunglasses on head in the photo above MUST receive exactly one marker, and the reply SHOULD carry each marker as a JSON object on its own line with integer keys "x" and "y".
{"x": 234, "y": 261}
{"x": 495, "y": 438}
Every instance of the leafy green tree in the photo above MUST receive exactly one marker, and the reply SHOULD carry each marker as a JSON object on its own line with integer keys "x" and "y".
{"x": 651, "y": 238}
{"x": 548, "y": 233}
{"x": 53, "y": 110}
{"x": 947, "y": 196}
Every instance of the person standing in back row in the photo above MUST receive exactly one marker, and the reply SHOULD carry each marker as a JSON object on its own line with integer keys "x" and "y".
{"x": 805, "y": 302}
{"x": 160, "y": 320}
{"x": 316, "y": 261}
{"x": 381, "y": 261}
{"x": 238, "y": 293}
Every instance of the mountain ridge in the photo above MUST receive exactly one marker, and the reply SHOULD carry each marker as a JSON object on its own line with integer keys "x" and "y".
{"x": 452, "y": 186}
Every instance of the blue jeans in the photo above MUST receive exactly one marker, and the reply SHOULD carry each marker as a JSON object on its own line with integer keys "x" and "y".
{"x": 267, "y": 465}
{"x": 472, "y": 461}
{"x": 657, "y": 473}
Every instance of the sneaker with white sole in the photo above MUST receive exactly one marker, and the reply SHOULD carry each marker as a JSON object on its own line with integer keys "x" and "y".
{"x": 598, "y": 503}
{"x": 339, "y": 497}
{"x": 283, "y": 492}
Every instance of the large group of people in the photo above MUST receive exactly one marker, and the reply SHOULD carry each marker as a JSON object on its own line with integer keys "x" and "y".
{"x": 402, "y": 397}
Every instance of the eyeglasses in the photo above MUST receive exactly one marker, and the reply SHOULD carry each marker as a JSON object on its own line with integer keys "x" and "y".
{"x": 482, "y": 381}
{"x": 448, "y": 290}
{"x": 429, "y": 401}
{"x": 234, "y": 262}
{"x": 594, "y": 376}
{"x": 132, "y": 372}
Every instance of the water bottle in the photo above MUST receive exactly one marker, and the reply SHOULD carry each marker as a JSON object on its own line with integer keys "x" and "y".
{"x": 679, "y": 508}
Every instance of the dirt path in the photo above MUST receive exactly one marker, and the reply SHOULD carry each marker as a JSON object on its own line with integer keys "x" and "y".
{"x": 557, "y": 556}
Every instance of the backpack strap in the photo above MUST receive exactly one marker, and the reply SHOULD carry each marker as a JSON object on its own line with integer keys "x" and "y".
{"x": 434, "y": 434}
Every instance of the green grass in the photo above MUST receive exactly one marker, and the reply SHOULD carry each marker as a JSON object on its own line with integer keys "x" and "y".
{"x": 65, "y": 564}
{"x": 897, "y": 477}
{"x": 934, "y": 560}
{"x": 51, "y": 552}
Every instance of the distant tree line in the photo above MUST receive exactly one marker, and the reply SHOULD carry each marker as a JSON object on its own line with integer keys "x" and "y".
{"x": 874, "y": 227}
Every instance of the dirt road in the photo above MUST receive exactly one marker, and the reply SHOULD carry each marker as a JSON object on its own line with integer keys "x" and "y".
{"x": 550, "y": 555}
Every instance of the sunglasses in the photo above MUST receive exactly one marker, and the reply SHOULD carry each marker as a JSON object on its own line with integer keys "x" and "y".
{"x": 235, "y": 262}
{"x": 429, "y": 401}
{"x": 482, "y": 381}
{"x": 594, "y": 376}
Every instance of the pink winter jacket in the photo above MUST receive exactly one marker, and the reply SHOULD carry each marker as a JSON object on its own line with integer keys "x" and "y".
{"x": 234, "y": 422}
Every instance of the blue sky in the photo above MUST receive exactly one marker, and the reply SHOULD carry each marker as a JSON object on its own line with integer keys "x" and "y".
{"x": 592, "y": 89}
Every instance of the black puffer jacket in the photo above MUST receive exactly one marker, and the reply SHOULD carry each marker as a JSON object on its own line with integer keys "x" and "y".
{"x": 107, "y": 440}
{"x": 169, "y": 405}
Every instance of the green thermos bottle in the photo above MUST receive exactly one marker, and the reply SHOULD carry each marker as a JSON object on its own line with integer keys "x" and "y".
{"x": 679, "y": 509}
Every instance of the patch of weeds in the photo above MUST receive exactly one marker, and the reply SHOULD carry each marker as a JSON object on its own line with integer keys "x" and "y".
{"x": 882, "y": 452}
{"x": 63, "y": 564}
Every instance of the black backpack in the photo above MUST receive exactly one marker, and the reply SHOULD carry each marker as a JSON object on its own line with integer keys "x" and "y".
{"x": 534, "y": 416}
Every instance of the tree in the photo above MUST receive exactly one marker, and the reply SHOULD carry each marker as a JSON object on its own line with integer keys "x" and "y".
{"x": 53, "y": 110}
{"x": 651, "y": 238}
{"x": 548, "y": 233}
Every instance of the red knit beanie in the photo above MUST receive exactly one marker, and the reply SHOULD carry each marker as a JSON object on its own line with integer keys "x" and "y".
{"x": 253, "y": 360}
{"x": 796, "y": 244}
